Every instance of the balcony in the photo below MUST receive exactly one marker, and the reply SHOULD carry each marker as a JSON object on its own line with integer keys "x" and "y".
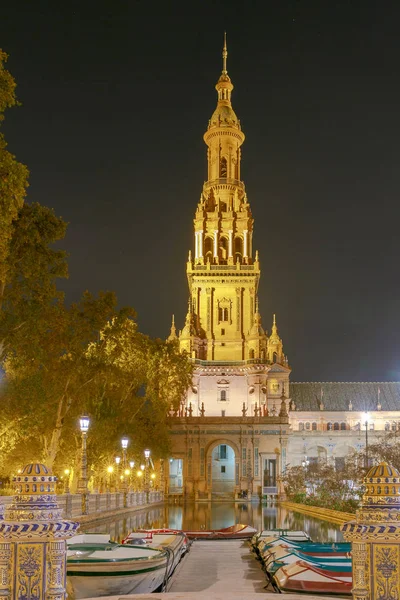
{"x": 224, "y": 181}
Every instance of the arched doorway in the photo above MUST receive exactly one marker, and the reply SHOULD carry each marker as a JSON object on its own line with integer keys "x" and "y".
{"x": 223, "y": 469}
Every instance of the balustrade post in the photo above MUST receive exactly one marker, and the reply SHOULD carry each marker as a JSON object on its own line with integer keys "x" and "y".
{"x": 32, "y": 539}
{"x": 375, "y": 536}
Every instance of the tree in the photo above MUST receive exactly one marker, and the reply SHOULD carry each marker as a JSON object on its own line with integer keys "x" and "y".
{"x": 13, "y": 175}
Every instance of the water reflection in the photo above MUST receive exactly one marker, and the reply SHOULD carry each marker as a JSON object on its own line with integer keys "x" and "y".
{"x": 217, "y": 515}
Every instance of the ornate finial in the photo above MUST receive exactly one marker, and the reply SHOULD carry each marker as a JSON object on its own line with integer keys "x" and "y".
{"x": 190, "y": 256}
{"x": 257, "y": 305}
{"x": 256, "y": 259}
{"x": 172, "y": 335}
{"x": 274, "y": 320}
{"x": 224, "y": 55}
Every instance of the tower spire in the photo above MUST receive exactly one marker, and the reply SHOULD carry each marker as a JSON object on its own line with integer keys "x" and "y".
{"x": 224, "y": 56}
{"x": 172, "y": 335}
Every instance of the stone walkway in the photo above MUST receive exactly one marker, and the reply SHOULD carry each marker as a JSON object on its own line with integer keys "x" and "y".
{"x": 219, "y": 566}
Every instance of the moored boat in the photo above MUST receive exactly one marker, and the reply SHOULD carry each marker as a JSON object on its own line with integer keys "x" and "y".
{"x": 235, "y": 532}
{"x": 272, "y": 534}
{"x": 176, "y": 544}
{"x": 266, "y": 547}
{"x": 97, "y": 567}
{"x": 304, "y": 577}
{"x": 286, "y": 556}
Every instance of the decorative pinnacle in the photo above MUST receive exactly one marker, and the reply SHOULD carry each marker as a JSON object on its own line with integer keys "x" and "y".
{"x": 274, "y": 321}
{"x": 224, "y": 55}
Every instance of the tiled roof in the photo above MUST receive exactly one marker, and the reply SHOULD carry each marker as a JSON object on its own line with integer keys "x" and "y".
{"x": 307, "y": 396}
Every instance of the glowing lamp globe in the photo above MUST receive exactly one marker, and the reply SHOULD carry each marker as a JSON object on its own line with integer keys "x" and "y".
{"x": 84, "y": 423}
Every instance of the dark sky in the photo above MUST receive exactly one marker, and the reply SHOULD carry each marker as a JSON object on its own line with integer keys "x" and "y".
{"x": 116, "y": 97}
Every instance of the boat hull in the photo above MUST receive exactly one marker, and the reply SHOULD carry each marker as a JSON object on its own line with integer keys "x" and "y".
{"x": 299, "y": 577}
{"x": 90, "y": 585}
{"x": 97, "y": 567}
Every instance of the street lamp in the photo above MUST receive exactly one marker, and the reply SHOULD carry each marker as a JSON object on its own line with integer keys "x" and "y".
{"x": 124, "y": 444}
{"x": 366, "y": 418}
{"x": 146, "y": 473}
{"x": 84, "y": 423}
{"x": 305, "y": 462}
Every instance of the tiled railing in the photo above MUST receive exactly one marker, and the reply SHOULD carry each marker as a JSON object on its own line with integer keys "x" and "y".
{"x": 71, "y": 504}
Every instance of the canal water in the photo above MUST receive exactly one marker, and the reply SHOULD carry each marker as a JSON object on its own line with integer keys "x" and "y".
{"x": 216, "y": 515}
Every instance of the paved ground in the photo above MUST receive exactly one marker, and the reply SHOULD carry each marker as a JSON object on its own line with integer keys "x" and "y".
{"x": 219, "y": 566}
{"x": 218, "y": 570}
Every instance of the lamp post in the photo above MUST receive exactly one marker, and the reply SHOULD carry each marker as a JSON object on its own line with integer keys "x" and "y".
{"x": 110, "y": 471}
{"x": 131, "y": 466}
{"x": 84, "y": 423}
{"x": 124, "y": 486}
{"x": 124, "y": 445}
{"x": 117, "y": 461}
{"x": 366, "y": 419}
{"x": 66, "y": 481}
{"x": 146, "y": 473}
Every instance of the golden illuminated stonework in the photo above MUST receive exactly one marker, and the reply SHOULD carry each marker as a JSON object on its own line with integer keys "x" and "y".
{"x": 32, "y": 539}
{"x": 375, "y": 537}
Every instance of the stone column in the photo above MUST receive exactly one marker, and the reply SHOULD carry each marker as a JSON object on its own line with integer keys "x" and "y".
{"x": 32, "y": 539}
{"x": 216, "y": 243}
{"x": 245, "y": 244}
{"x": 375, "y": 537}
{"x": 200, "y": 242}
{"x": 230, "y": 244}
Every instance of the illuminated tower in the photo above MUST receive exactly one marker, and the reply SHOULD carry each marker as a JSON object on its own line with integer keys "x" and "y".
{"x": 223, "y": 322}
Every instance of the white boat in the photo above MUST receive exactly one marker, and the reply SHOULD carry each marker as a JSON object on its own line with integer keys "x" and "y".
{"x": 176, "y": 544}
{"x": 289, "y": 534}
{"x": 97, "y": 567}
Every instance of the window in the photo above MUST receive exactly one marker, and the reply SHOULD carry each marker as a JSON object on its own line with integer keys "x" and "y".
{"x": 223, "y": 314}
{"x": 336, "y": 426}
{"x": 222, "y": 451}
{"x": 329, "y": 426}
{"x": 223, "y": 396}
{"x": 307, "y": 426}
{"x": 314, "y": 427}
{"x": 343, "y": 426}
{"x": 223, "y": 168}
{"x": 301, "y": 426}
{"x": 394, "y": 426}
{"x": 222, "y": 331}
{"x": 339, "y": 463}
{"x": 223, "y": 469}
{"x": 387, "y": 426}
{"x": 269, "y": 478}
{"x": 222, "y": 413}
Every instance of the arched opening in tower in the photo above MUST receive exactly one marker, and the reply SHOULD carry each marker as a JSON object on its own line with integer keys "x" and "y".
{"x": 208, "y": 249}
{"x": 223, "y": 168}
{"x": 238, "y": 248}
{"x": 223, "y": 249}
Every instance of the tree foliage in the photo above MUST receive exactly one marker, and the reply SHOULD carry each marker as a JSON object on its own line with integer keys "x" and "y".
{"x": 62, "y": 361}
{"x": 13, "y": 175}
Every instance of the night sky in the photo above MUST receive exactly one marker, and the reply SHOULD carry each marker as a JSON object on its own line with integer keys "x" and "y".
{"x": 115, "y": 99}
